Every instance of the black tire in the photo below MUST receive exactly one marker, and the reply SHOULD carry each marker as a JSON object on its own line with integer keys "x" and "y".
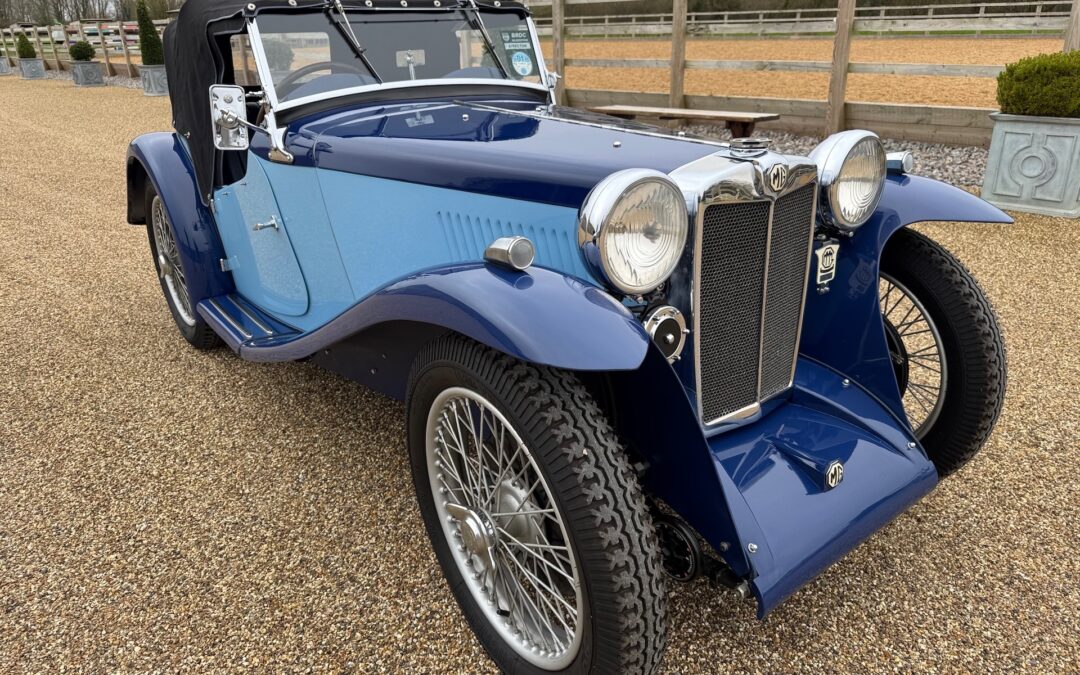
{"x": 595, "y": 489}
{"x": 972, "y": 342}
{"x": 195, "y": 330}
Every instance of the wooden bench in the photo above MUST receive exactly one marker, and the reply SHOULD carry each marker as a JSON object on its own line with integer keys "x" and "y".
{"x": 741, "y": 124}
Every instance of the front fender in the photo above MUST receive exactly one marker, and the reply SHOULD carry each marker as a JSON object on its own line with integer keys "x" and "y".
{"x": 843, "y": 328}
{"x": 162, "y": 159}
{"x": 539, "y": 315}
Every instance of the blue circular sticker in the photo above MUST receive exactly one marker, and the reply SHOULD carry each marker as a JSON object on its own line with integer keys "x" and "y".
{"x": 523, "y": 64}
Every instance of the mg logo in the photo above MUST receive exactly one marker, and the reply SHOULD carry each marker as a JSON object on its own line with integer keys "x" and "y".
{"x": 834, "y": 474}
{"x": 778, "y": 177}
{"x": 826, "y": 263}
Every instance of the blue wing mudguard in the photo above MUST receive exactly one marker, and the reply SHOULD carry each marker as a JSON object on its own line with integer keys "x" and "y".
{"x": 539, "y": 315}
{"x": 162, "y": 159}
{"x": 843, "y": 328}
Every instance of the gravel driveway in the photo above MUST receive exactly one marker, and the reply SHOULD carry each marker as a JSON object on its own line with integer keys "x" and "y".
{"x": 166, "y": 509}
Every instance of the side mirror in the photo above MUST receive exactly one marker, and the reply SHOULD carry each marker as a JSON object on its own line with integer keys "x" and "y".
{"x": 228, "y": 113}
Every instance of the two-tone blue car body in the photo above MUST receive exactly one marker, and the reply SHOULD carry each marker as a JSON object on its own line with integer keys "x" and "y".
{"x": 622, "y": 348}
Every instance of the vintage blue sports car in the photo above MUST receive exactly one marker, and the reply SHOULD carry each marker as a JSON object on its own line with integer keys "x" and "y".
{"x": 627, "y": 354}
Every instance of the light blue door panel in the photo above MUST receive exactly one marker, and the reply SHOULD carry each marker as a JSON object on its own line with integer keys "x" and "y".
{"x": 300, "y": 204}
{"x": 263, "y": 264}
{"x": 389, "y": 229}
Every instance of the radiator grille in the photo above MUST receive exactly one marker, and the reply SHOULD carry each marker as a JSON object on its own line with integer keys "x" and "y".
{"x": 747, "y": 333}
{"x": 788, "y": 258}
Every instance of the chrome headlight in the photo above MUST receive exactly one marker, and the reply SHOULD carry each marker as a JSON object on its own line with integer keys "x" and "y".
{"x": 851, "y": 167}
{"x": 632, "y": 229}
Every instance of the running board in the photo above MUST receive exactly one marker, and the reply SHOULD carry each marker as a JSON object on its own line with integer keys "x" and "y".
{"x": 239, "y": 323}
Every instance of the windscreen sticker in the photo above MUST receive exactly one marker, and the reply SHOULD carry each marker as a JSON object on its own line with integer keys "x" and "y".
{"x": 523, "y": 64}
{"x": 516, "y": 39}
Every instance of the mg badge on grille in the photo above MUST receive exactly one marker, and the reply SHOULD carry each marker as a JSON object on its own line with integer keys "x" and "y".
{"x": 834, "y": 474}
{"x": 778, "y": 177}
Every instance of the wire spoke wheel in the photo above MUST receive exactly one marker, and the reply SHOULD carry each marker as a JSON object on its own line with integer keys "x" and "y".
{"x": 504, "y": 528}
{"x": 168, "y": 261}
{"x": 917, "y": 353}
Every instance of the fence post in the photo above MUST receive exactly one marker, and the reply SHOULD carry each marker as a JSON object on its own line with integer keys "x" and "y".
{"x": 558, "y": 47}
{"x": 56, "y": 47}
{"x": 1072, "y": 34}
{"x": 82, "y": 34}
{"x": 127, "y": 53}
{"x": 678, "y": 53}
{"x": 40, "y": 49}
{"x": 834, "y": 109}
{"x": 104, "y": 50}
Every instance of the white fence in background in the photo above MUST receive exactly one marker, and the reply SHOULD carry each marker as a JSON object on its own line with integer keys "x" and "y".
{"x": 1038, "y": 16}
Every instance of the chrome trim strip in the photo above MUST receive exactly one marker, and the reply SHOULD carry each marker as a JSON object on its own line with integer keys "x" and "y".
{"x": 806, "y": 290}
{"x": 251, "y": 317}
{"x": 764, "y": 300}
{"x": 228, "y": 319}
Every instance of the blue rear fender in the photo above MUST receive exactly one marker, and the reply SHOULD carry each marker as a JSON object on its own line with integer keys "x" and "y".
{"x": 162, "y": 159}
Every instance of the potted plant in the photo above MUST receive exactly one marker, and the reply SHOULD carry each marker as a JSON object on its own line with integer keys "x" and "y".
{"x": 152, "y": 70}
{"x": 31, "y": 67}
{"x": 85, "y": 71}
{"x": 5, "y": 65}
{"x": 1034, "y": 162}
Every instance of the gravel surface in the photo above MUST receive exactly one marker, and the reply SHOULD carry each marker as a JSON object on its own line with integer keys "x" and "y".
{"x": 163, "y": 509}
{"x": 956, "y": 164}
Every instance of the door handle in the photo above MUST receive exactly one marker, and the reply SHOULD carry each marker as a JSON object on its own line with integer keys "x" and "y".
{"x": 268, "y": 224}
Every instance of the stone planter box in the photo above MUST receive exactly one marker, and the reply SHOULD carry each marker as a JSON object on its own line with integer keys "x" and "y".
{"x": 1034, "y": 165}
{"x": 5, "y": 67}
{"x": 32, "y": 69}
{"x": 154, "y": 82}
{"x": 87, "y": 74}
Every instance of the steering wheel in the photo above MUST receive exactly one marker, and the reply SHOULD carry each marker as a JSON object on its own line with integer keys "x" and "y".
{"x": 288, "y": 83}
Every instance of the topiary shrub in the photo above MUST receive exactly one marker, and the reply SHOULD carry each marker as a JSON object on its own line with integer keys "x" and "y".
{"x": 1047, "y": 85}
{"x": 149, "y": 41}
{"x": 279, "y": 55}
{"x": 23, "y": 48}
{"x": 81, "y": 51}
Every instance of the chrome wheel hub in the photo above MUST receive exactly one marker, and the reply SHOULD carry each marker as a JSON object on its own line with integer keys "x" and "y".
{"x": 504, "y": 529}
{"x": 477, "y": 532}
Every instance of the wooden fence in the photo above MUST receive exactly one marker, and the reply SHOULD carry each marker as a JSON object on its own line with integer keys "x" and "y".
{"x": 948, "y": 124}
{"x": 1032, "y": 17}
{"x": 117, "y": 43}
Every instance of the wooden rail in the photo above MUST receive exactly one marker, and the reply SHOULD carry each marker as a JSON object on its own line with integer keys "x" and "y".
{"x": 117, "y": 44}
{"x": 1032, "y": 17}
{"x": 957, "y": 125}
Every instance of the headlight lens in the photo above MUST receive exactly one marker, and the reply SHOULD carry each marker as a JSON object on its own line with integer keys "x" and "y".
{"x": 852, "y": 169}
{"x": 633, "y": 229}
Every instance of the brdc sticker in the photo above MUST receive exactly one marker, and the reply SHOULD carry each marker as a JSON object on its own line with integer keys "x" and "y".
{"x": 522, "y": 63}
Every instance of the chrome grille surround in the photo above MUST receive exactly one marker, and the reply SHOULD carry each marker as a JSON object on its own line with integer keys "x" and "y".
{"x": 735, "y": 185}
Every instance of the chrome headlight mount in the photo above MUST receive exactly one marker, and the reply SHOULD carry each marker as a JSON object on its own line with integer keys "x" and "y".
{"x": 851, "y": 170}
{"x": 632, "y": 230}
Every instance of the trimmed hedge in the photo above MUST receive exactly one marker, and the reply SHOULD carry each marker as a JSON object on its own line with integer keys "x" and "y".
{"x": 81, "y": 51}
{"x": 279, "y": 55}
{"x": 149, "y": 42}
{"x": 23, "y": 48}
{"x": 1047, "y": 85}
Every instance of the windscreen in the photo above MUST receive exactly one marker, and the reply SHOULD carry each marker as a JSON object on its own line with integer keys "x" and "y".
{"x": 310, "y": 54}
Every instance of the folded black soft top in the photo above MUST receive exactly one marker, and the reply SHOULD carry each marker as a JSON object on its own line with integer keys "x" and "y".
{"x": 193, "y": 62}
